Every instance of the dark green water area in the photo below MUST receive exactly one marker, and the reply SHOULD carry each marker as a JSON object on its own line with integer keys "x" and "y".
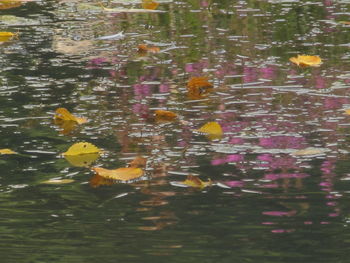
{"x": 279, "y": 173}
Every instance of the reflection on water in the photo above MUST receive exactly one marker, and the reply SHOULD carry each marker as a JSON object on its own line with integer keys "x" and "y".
{"x": 272, "y": 187}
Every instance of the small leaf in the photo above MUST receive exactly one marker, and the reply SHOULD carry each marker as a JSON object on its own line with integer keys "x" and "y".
{"x": 5, "y": 4}
{"x": 126, "y": 10}
{"x": 347, "y": 111}
{"x": 163, "y": 115}
{"x": 82, "y": 148}
{"x": 7, "y": 151}
{"x": 138, "y": 162}
{"x": 309, "y": 151}
{"x": 213, "y": 130}
{"x": 193, "y": 181}
{"x": 65, "y": 115}
{"x": 143, "y": 49}
{"x": 58, "y": 181}
{"x": 82, "y": 160}
{"x": 123, "y": 174}
{"x": 149, "y": 4}
{"x": 306, "y": 61}
{"x": 66, "y": 126}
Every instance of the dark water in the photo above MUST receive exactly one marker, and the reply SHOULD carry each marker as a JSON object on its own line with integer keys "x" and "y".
{"x": 266, "y": 204}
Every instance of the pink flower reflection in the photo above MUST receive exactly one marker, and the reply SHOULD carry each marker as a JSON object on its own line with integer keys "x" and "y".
{"x": 279, "y": 213}
{"x": 285, "y": 175}
{"x": 282, "y": 142}
{"x": 234, "y": 183}
{"x": 228, "y": 159}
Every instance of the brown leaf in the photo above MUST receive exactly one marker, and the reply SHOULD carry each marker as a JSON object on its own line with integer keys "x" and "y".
{"x": 198, "y": 87}
{"x": 138, "y": 162}
{"x": 149, "y": 4}
{"x": 143, "y": 49}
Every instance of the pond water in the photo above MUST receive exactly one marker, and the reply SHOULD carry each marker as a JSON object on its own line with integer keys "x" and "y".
{"x": 278, "y": 178}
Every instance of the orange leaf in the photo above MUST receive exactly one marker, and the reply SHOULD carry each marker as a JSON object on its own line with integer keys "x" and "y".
{"x": 306, "y": 61}
{"x": 163, "y": 115}
{"x": 149, "y": 4}
{"x": 123, "y": 174}
{"x": 97, "y": 181}
{"x": 65, "y": 115}
{"x": 198, "y": 87}
{"x": 142, "y": 49}
{"x": 138, "y": 162}
{"x": 347, "y": 111}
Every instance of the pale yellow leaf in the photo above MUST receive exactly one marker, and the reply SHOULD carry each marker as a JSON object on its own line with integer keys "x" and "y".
{"x": 193, "y": 181}
{"x": 7, "y": 151}
{"x": 58, "y": 181}
{"x": 82, "y": 148}
{"x": 123, "y": 174}
{"x": 310, "y": 151}
{"x": 82, "y": 160}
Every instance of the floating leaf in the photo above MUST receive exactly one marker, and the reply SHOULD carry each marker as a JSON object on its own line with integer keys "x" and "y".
{"x": 6, "y": 36}
{"x": 347, "y": 111}
{"x": 306, "y": 61}
{"x": 58, "y": 181}
{"x": 199, "y": 87}
{"x": 163, "y": 115}
{"x": 143, "y": 49}
{"x": 126, "y": 10}
{"x": 5, "y": 4}
{"x": 123, "y": 174}
{"x": 65, "y": 115}
{"x": 82, "y": 148}
{"x": 82, "y": 160}
{"x": 193, "y": 181}
{"x": 213, "y": 130}
{"x": 7, "y": 151}
{"x": 138, "y": 162}
{"x": 310, "y": 151}
{"x": 149, "y": 4}
{"x": 344, "y": 22}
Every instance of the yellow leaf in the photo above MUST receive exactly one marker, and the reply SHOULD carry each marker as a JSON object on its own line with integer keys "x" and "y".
{"x": 126, "y": 10}
{"x": 347, "y": 111}
{"x": 5, "y": 4}
{"x": 149, "y": 4}
{"x": 82, "y": 160}
{"x": 81, "y": 148}
{"x": 213, "y": 130}
{"x": 58, "y": 181}
{"x": 6, "y": 36}
{"x": 123, "y": 174}
{"x": 66, "y": 126}
{"x": 306, "y": 61}
{"x": 7, "y": 151}
{"x": 194, "y": 181}
{"x": 65, "y": 115}
{"x": 163, "y": 115}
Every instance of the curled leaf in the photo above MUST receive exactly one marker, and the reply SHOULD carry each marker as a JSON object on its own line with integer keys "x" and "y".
{"x": 149, "y": 4}
{"x": 193, "y": 181}
{"x": 58, "y": 181}
{"x": 65, "y": 115}
{"x": 163, "y": 115}
{"x": 82, "y": 160}
{"x": 123, "y": 174}
{"x": 7, "y": 151}
{"x": 306, "y": 61}
{"x": 82, "y": 148}
{"x": 213, "y": 130}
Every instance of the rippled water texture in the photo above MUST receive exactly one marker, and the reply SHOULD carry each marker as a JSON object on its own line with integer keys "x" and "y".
{"x": 273, "y": 187}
